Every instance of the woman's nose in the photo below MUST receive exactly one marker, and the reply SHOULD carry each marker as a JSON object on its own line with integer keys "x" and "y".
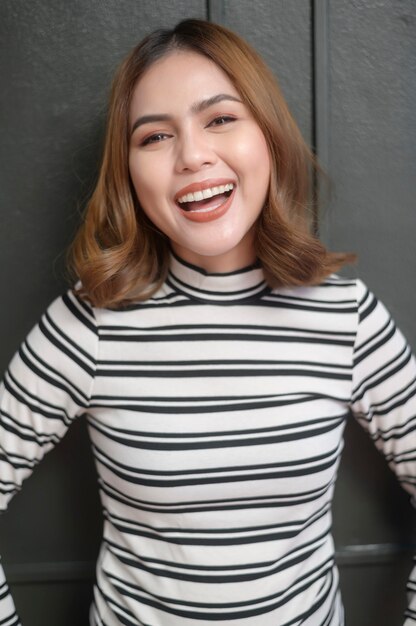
{"x": 194, "y": 151}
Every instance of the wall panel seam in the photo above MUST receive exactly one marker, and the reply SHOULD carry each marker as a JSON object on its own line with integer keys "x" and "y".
{"x": 216, "y": 11}
{"x": 320, "y": 95}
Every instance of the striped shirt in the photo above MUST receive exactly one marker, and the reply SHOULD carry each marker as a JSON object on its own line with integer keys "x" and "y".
{"x": 216, "y": 412}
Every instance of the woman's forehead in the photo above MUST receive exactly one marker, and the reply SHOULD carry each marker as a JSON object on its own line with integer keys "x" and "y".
{"x": 180, "y": 74}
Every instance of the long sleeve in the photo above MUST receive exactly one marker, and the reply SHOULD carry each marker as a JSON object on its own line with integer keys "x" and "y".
{"x": 384, "y": 398}
{"x": 47, "y": 385}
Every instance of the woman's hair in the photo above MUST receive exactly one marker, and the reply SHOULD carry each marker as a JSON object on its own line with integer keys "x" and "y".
{"x": 120, "y": 256}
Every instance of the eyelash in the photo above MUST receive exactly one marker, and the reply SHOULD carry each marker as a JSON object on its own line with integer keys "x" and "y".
{"x": 225, "y": 119}
{"x": 157, "y": 137}
{"x": 153, "y": 139}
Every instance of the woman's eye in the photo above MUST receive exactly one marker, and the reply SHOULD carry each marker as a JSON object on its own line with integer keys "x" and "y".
{"x": 156, "y": 138}
{"x": 221, "y": 120}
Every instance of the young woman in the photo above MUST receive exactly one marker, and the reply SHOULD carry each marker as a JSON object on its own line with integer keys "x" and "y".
{"x": 213, "y": 351}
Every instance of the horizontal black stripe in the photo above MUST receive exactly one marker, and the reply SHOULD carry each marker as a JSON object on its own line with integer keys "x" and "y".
{"x": 164, "y": 363}
{"x": 35, "y": 407}
{"x": 172, "y": 328}
{"x": 375, "y": 382}
{"x": 16, "y": 429}
{"x": 225, "y": 613}
{"x": 191, "y": 574}
{"x": 199, "y": 445}
{"x": 253, "y": 533}
{"x": 17, "y": 464}
{"x": 67, "y": 386}
{"x": 15, "y": 622}
{"x": 211, "y": 477}
{"x": 277, "y": 302}
{"x": 55, "y": 409}
{"x": 183, "y": 408}
{"x": 213, "y": 373}
{"x": 211, "y": 470}
{"x": 371, "y": 338}
{"x": 176, "y": 409}
{"x": 367, "y": 306}
{"x": 229, "y": 569}
{"x": 214, "y": 505}
{"x": 334, "y": 419}
{"x": 64, "y": 350}
{"x": 76, "y": 348}
{"x": 197, "y": 291}
{"x": 375, "y": 346}
{"x": 86, "y": 320}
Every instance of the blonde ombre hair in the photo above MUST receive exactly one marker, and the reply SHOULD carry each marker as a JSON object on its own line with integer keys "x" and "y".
{"x": 120, "y": 256}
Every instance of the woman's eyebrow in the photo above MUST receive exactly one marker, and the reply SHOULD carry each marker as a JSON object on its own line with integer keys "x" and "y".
{"x": 197, "y": 107}
{"x": 205, "y": 104}
{"x": 147, "y": 119}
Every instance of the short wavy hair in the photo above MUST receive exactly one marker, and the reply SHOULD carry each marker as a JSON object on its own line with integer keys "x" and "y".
{"x": 120, "y": 256}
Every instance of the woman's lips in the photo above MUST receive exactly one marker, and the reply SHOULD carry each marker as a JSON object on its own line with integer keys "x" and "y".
{"x": 202, "y": 186}
{"x": 205, "y": 200}
{"x": 209, "y": 209}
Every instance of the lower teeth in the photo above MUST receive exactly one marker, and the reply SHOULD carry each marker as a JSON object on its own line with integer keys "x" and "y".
{"x": 203, "y": 210}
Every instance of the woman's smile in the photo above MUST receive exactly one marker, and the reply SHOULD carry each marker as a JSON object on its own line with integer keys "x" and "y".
{"x": 198, "y": 161}
{"x": 206, "y": 201}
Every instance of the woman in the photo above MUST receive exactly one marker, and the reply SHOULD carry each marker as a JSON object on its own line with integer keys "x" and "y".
{"x": 213, "y": 351}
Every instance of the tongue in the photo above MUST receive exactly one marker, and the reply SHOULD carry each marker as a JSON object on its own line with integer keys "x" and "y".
{"x": 208, "y": 203}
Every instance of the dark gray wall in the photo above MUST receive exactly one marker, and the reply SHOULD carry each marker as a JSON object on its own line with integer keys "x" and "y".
{"x": 346, "y": 70}
{"x": 365, "y": 131}
{"x": 370, "y": 144}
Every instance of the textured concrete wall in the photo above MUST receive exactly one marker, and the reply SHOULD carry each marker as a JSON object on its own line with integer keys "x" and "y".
{"x": 372, "y": 145}
{"x": 281, "y": 32}
{"x": 369, "y": 143}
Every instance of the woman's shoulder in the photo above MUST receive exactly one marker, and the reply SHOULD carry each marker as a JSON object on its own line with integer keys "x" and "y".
{"x": 70, "y": 313}
{"x": 333, "y": 288}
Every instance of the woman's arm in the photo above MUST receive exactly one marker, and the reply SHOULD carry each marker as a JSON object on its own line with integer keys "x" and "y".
{"x": 384, "y": 397}
{"x": 47, "y": 385}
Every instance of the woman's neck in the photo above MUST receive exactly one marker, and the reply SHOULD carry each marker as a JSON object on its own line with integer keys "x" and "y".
{"x": 241, "y": 256}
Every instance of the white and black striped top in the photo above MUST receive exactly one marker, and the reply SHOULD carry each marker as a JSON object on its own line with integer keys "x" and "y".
{"x": 216, "y": 411}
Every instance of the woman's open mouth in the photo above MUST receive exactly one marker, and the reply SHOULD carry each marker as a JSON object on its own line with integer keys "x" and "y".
{"x": 206, "y": 204}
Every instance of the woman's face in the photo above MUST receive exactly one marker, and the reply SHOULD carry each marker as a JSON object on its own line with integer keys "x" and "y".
{"x": 198, "y": 161}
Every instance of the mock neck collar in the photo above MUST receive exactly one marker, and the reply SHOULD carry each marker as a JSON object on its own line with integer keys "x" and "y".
{"x": 195, "y": 282}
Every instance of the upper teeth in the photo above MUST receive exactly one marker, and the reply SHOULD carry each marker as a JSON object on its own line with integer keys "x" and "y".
{"x": 206, "y": 193}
